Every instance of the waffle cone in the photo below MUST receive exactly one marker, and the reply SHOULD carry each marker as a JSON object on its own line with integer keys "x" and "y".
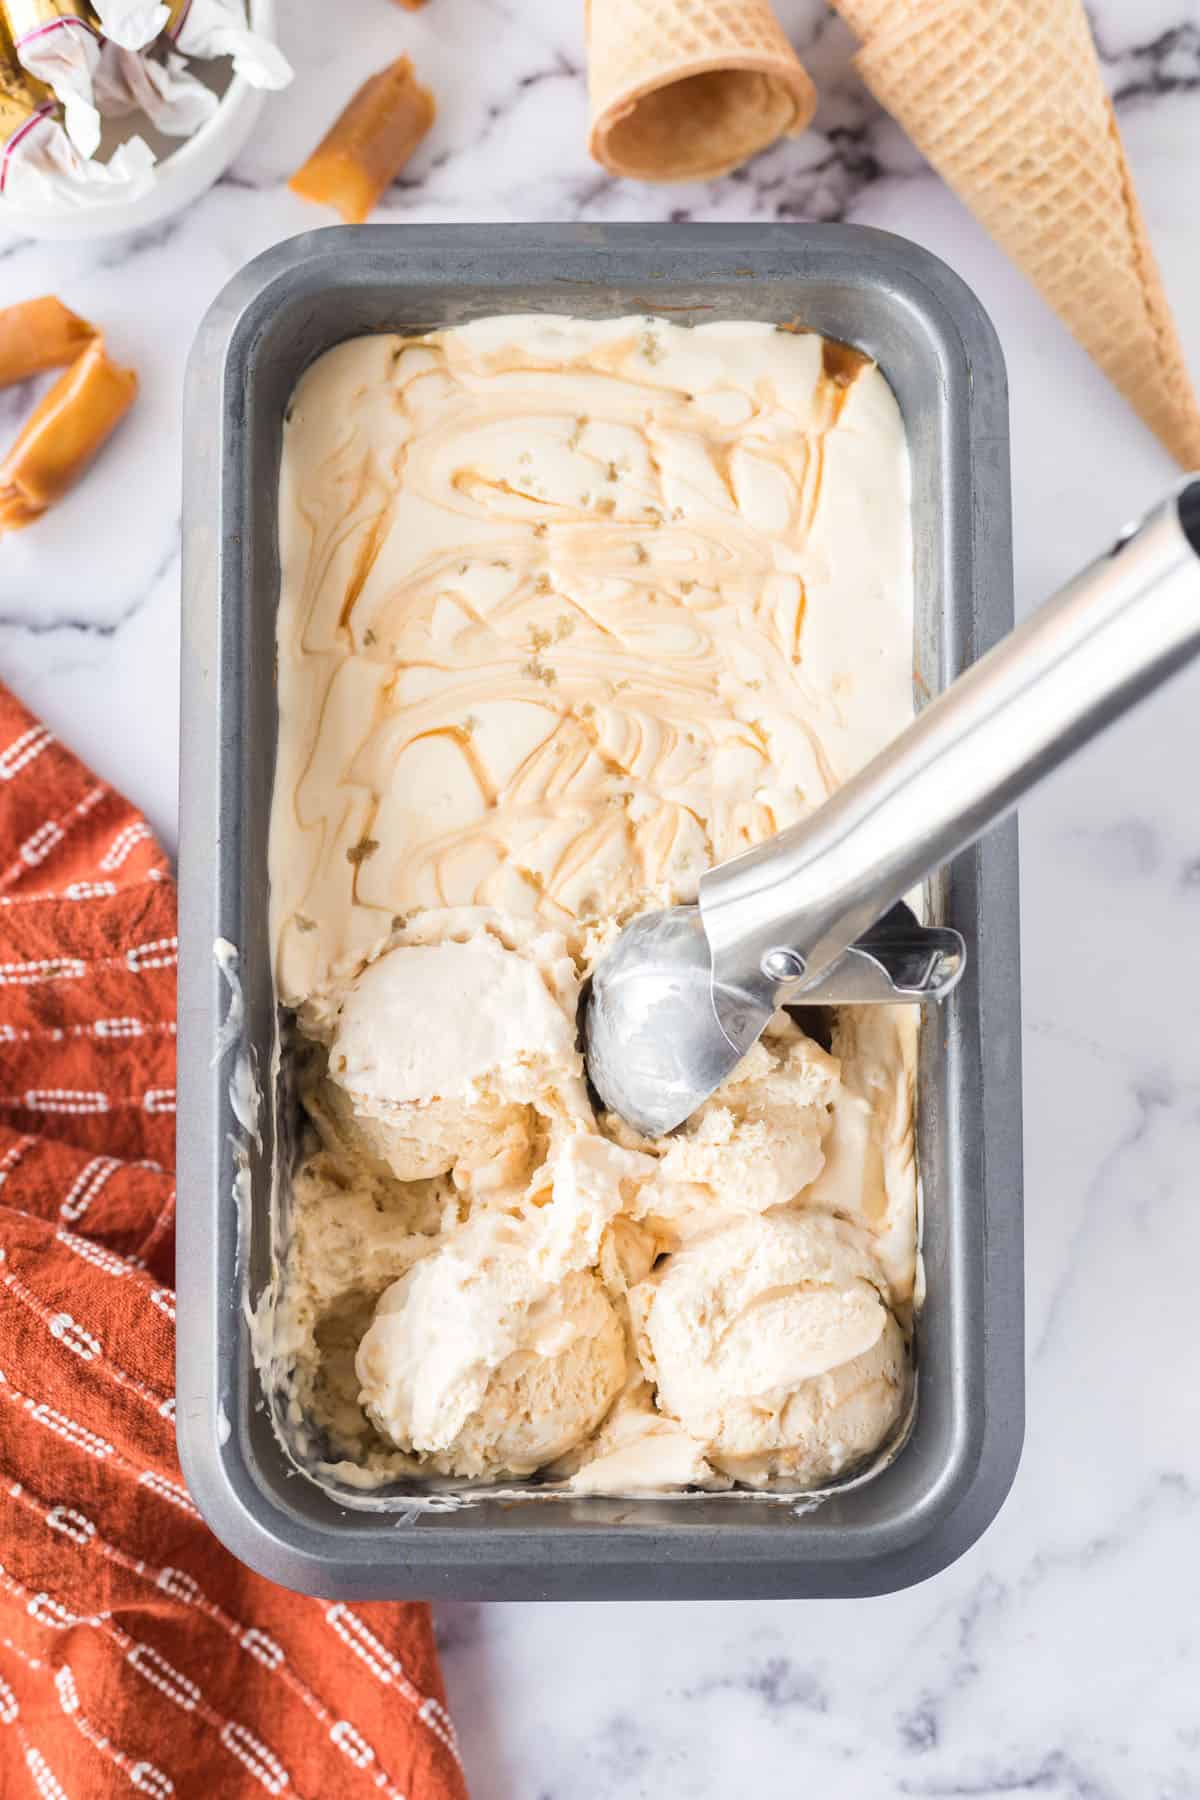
{"x": 682, "y": 90}
{"x": 1005, "y": 99}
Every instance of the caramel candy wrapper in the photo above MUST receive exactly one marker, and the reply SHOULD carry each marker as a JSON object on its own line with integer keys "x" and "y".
{"x": 207, "y": 28}
{"x": 130, "y": 23}
{"x": 56, "y": 42}
{"x": 26, "y": 111}
{"x": 368, "y": 144}
{"x": 174, "y": 101}
{"x": 39, "y": 165}
{"x": 62, "y": 434}
{"x": 38, "y": 335}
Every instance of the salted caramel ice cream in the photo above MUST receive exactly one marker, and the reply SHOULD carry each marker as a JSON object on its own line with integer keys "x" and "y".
{"x": 462, "y": 1095}
{"x": 569, "y": 611}
{"x": 772, "y": 1342}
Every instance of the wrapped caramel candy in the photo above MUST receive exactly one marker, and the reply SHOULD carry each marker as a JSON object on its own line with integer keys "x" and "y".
{"x": 39, "y": 165}
{"x": 62, "y": 434}
{"x": 38, "y": 335}
{"x": 174, "y": 101}
{"x": 56, "y": 42}
{"x": 26, "y": 111}
{"x": 207, "y": 28}
{"x": 130, "y": 23}
{"x": 203, "y": 28}
{"x": 368, "y": 144}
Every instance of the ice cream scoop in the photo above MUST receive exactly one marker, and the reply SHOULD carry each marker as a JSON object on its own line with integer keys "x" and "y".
{"x": 684, "y": 993}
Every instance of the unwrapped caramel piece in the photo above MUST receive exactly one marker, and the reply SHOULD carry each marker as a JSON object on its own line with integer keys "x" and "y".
{"x": 38, "y": 335}
{"x": 367, "y": 146}
{"x": 62, "y": 434}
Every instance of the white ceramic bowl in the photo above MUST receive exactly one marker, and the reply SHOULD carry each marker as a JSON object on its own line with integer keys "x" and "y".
{"x": 187, "y": 170}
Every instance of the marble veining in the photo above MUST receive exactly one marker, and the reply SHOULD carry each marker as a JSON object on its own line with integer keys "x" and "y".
{"x": 1060, "y": 1657}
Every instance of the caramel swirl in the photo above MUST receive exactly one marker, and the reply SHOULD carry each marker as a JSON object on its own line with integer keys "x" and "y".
{"x": 570, "y": 610}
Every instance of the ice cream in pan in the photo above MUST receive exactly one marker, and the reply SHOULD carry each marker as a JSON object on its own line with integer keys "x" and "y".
{"x": 570, "y": 611}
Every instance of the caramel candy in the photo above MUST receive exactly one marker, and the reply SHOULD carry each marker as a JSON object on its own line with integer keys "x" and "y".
{"x": 38, "y": 335}
{"x": 38, "y": 162}
{"x": 22, "y": 101}
{"x": 368, "y": 145}
{"x": 56, "y": 42}
{"x": 62, "y": 434}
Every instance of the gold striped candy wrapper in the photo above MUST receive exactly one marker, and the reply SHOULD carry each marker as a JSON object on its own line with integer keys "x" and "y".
{"x": 57, "y": 43}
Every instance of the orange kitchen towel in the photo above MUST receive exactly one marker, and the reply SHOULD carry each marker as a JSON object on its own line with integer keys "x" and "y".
{"x": 136, "y": 1655}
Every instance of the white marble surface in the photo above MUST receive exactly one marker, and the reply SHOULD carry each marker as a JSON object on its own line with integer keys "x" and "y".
{"x": 1061, "y": 1656}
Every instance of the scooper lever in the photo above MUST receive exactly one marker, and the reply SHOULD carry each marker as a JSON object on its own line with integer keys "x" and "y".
{"x": 898, "y": 959}
{"x": 683, "y": 994}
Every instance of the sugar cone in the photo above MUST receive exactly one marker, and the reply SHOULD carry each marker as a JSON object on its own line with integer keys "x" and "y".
{"x": 682, "y": 90}
{"x": 866, "y": 17}
{"x": 1006, "y": 100}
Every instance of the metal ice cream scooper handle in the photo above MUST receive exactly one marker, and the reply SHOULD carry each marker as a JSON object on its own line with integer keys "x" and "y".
{"x": 683, "y": 994}
{"x": 780, "y": 916}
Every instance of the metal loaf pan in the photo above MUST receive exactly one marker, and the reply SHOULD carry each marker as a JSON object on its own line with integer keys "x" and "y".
{"x": 939, "y": 352}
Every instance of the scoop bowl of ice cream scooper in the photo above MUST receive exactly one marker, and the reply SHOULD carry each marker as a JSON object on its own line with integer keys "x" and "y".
{"x": 814, "y": 915}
